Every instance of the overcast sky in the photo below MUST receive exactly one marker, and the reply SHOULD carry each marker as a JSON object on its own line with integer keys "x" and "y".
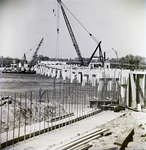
{"x": 119, "y": 24}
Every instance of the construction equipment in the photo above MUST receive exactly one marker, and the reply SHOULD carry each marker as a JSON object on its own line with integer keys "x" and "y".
{"x": 34, "y": 58}
{"x": 75, "y": 44}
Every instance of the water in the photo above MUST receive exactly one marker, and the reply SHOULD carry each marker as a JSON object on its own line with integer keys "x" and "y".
{"x": 13, "y": 82}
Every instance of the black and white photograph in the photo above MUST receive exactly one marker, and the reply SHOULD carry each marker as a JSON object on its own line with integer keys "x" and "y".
{"x": 72, "y": 74}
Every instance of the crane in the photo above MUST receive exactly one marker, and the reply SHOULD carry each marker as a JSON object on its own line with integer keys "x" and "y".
{"x": 34, "y": 58}
{"x": 75, "y": 44}
{"x": 115, "y": 53}
{"x": 116, "y": 56}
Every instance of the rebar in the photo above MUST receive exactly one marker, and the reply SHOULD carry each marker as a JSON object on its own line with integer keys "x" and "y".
{"x": 14, "y": 118}
{"x": 0, "y": 121}
{"x": 48, "y": 110}
{"x": 25, "y": 116}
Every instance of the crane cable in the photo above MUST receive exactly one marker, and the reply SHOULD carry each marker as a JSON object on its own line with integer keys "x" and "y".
{"x": 54, "y": 8}
{"x": 80, "y": 36}
{"x": 96, "y": 41}
{"x": 57, "y": 26}
{"x": 31, "y": 48}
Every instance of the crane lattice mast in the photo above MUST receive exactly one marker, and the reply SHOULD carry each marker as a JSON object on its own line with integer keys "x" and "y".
{"x": 75, "y": 44}
{"x": 32, "y": 63}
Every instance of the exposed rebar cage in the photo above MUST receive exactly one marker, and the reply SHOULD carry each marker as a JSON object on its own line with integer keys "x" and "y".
{"x": 26, "y": 115}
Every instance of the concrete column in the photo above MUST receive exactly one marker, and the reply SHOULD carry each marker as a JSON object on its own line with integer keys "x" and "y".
{"x": 64, "y": 71}
{"x": 144, "y": 89}
{"x": 109, "y": 85}
{"x": 140, "y": 89}
{"x": 127, "y": 99}
{"x": 46, "y": 71}
{"x": 123, "y": 95}
{"x": 58, "y": 74}
{"x": 49, "y": 72}
{"x": 38, "y": 70}
{"x": 133, "y": 91}
{"x": 73, "y": 76}
{"x": 69, "y": 71}
{"x": 79, "y": 76}
{"x": 54, "y": 72}
{"x": 43, "y": 70}
{"x": 94, "y": 81}
{"x": 101, "y": 84}
{"x": 84, "y": 80}
{"x": 90, "y": 77}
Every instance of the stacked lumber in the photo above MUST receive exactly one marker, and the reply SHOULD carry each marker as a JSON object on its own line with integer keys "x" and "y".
{"x": 82, "y": 142}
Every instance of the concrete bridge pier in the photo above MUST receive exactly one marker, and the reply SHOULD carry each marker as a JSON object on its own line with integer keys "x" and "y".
{"x": 58, "y": 74}
{"x": 139, "y": 79}
{"x": 73, "y": 76}
{"x": 94, "y": 79}
{"x": 38, "y": 69}
{"x": 132, "y": 91}
{"x": 53, "y": 72}
{"x": 64, "y": 74}
{"x": 84, "y": 80}
{"x": 49, "y": 72}
{"x": 145, "y": 89}
{"x": 46, "y": 71}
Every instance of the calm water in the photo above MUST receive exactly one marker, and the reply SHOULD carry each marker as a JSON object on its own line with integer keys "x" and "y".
{"x": 11, "y": 82}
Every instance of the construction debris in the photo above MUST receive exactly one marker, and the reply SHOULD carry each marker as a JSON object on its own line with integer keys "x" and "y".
{"x": 132, "y": 124}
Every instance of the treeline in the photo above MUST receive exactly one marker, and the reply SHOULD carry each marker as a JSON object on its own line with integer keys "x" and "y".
{"x": 129, "y": 62}
{"x": 7, "y": 61}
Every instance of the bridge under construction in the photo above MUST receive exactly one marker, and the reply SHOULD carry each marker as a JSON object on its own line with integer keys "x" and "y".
{"x": 131, "y": 85}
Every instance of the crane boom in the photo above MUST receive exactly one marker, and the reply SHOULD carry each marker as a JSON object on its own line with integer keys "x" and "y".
{"x": 33, "y": 62}
{"x": 93, "y": 53}
{"x": 75, "y": 44}
{"x": 36, "y": 51}
{"x": 115, "y": 53}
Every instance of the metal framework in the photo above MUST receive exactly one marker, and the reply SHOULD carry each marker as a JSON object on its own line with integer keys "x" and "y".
{"x": 32, "y": 63}
{"x": 75, "y": 44}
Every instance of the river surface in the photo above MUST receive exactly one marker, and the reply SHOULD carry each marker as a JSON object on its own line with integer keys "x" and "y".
{"x": 13, "y": 82}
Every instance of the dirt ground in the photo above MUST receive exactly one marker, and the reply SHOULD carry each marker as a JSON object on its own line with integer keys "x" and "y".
{"x": 113, "y": 122}
{"x": 136, "y": 120}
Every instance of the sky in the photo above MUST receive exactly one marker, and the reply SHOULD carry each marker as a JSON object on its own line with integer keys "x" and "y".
{"x": 118, "y": 24}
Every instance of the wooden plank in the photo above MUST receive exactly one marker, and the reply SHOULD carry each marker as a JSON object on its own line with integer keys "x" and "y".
{"x": 83, "y": 138}
{"x": 77, "y": 146}
{"x": 132, "y": 109}
{"x": 124, "y": 137}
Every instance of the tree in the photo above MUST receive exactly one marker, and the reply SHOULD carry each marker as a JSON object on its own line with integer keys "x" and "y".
{"x": 137, "y": 61}
{"x": 7, "y": 62}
